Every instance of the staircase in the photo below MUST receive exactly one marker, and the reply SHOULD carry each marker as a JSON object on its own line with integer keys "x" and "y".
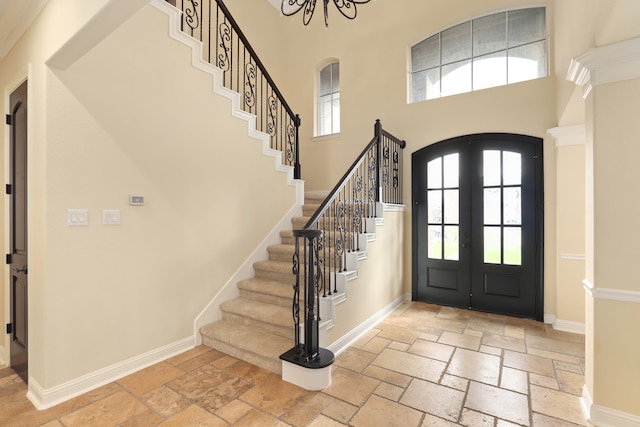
{"x": 258, "y": 327}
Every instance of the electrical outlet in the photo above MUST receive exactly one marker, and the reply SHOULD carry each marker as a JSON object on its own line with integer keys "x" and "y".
{"x": 111, "y": 217}
{"x": 77, "y": 217}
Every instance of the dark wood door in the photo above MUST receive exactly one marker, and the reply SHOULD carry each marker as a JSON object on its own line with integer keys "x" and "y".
{"x": 18, "y": 238}
{"x": 477, "y": 224}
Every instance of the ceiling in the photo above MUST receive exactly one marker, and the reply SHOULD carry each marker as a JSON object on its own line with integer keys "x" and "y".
{"x": 15, "y": 17}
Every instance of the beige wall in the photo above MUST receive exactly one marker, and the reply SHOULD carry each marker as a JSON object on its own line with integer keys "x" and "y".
{"x": 118, "y": 122}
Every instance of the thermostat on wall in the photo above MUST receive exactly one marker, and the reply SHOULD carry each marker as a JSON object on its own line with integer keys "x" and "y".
{"x": 136, "y": 200}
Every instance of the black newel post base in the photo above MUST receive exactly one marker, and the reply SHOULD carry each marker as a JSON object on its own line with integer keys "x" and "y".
{"x": 297, "y": 356}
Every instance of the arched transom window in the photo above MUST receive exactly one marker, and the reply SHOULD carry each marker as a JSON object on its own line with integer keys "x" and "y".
{"x": 493, "y": 50}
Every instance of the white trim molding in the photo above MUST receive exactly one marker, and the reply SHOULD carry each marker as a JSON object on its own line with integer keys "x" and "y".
{"x": 43, "y": 398}
{"x": 564, "y": 325}
{"x": 568, "y": 135}
{"x": 573, "y": 257}
{"x": 611, "y": 294}
{"x": 611, "y": 63}
{"x": 602, "y": 416}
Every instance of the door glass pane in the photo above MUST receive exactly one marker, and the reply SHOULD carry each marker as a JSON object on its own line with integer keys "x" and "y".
{"x": 451, "y": 171}
{"x": 491, "y": 201}
{"x": 492, "y": 245}
{"x": 451, "y": 206}
{"x": 435, "y": 206}
{"x": 512, "y": 206}
{"x": 434, "y": 173}
{"x": 512, "y": 245}
{"x": 491, "y": 167}
{"x": 451, "y": 243}
{"x": 434, "y": 233}
{"x": 512, "y": 168}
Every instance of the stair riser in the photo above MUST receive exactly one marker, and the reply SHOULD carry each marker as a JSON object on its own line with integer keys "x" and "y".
{"x": 287, "y": 278}
{"x": 270, "y": 364}
{"x": 285, "y": 332}
{"x": 288, "y": 257}
{"x": 267, "y": 298}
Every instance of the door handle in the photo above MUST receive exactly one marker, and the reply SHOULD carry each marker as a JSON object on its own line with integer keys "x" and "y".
{"x": 21, "y": 270}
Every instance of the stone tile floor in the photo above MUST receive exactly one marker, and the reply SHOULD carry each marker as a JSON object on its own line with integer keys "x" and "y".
{"x": 424, "y": 365}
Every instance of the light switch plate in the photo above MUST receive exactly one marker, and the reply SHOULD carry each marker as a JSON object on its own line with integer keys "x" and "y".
{"x": 136, "y": 200}
{"x": 111, "y": 217}
{"x": 77, "y": 217}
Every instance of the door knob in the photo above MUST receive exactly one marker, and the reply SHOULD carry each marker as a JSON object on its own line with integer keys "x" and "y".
{"x": 21, "y": 270}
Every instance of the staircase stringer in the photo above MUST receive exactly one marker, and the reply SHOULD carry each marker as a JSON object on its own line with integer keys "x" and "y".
{"x": 218, "y": 88}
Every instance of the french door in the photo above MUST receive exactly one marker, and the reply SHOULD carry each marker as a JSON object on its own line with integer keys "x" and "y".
{"x": 477, "y": 224}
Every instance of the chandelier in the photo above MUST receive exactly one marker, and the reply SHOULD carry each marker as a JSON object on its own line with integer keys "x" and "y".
{"x": 346, "y": 7}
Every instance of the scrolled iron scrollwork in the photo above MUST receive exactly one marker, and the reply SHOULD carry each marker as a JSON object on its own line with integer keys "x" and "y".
{"x": 290, "y": 152}
{"x": 296, "y": 293}
{"x": 250, "y": 85}
{"x": 191, "y": 17}
{"x": 223, "y": 62}
{"x": 272, "y": 115}
{"x": 346, "y": 7}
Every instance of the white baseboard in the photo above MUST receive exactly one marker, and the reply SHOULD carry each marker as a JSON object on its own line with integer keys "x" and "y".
{"x": 346, "y": 340}
{"x": 45, "y": 398}
{"x": 564, "y": 325}
{"x": 569, "y": 326}
{"x": 602, "y": 416}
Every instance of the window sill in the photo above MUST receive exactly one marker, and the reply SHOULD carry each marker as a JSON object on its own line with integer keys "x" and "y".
{"x": 323, "y": 137}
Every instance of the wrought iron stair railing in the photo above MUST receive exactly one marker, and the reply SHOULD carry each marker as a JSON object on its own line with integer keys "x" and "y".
{"x": 334, "y": 231}
{"x": 226, "y": 47}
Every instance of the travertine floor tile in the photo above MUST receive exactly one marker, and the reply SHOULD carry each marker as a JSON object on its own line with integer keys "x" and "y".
{"x": 433, "y": 421}
{"x": 376, "y": 345}
{"x": 556, "y": 404}
{"x": 273, "y": 395}
{"x": 233, "y": 411}
{"x": 323, "y": 421}
{"x": 529, "y": 363}
{"x": 540, "y": 420}
{"x": 455, "y": 382}
{"x": 307, "y": 408}
{"x": 410, "y": 364}
{"x": 432, "y": 350}
{"x": 476, "y": 419}
{"x": 460, "y": 340}
{"x": 386, "y": 375}
{"x": 111, "y": 411}
{"x": 505, "y": 342}
{"x": 354, "y": 359}
{"x": 397, "y": 333}
{"x": 389, "y": 391}
{"x": 165, "y": 401}
{"x": 194, "y": 416}
{"x": 498, "y": 402}
{"x": 491, "y": 326}
{"x": 149, "y": 378}
{"x": 556, "y": 346}
{"x": 434, "y": 399}
{"x": 379, "y": 412}
{"x": 340, "y": 411}
{"x": 515, "y": 380}
{"x": 475, "y": 366}
{"x": 351, "y": 386}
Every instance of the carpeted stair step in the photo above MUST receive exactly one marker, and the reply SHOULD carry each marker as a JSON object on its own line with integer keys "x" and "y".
{"x": 252, "y": 345}
{"x": 282, "y": 253}
{"x": 259, "y": 315}
{"x": 267, "y": 291}
{"x": 275, "y": 270}
{"x": 308, "y": 209}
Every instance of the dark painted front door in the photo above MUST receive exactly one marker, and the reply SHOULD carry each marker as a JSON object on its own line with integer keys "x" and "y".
{"x": 18, "y": 227}
{"x": 477, "y": 224}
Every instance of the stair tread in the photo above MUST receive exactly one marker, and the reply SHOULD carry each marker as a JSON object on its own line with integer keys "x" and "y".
{"x": 248, "y": 339}
{"x": 266, "y": 286}
{"x": 271, "y": 265}
{"x": 261, "y": 311}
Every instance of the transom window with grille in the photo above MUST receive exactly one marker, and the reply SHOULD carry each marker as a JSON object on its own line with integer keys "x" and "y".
{"x": 493, "y": 50}
{"x": 329, "y": 100}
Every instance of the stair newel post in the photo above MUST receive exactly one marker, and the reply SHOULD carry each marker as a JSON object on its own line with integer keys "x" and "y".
{"x": 296, "y": 293}
{"x": 309, "y": 354}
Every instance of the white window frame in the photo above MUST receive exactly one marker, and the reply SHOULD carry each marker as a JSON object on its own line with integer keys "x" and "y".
{"x": 334, "y": 95}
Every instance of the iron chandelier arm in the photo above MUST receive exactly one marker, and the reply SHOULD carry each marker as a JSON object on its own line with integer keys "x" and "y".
{"x": 346, "y": 7}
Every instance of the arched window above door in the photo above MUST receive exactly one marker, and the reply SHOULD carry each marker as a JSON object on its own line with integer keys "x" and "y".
{"x": 494, "y": 50}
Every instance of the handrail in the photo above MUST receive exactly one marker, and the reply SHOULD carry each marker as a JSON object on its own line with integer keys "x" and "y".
{"x": 226, "y": 47}
{"x": 334, "y": 230}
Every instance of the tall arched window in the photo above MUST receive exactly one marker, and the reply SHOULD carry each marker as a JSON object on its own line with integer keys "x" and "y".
{"x": 329, "y": 100}
{"x": 493, "y": 50}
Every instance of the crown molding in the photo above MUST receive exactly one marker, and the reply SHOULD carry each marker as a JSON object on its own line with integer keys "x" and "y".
{"x": 568, "y": 135}
{"x": 612, "y": 63}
